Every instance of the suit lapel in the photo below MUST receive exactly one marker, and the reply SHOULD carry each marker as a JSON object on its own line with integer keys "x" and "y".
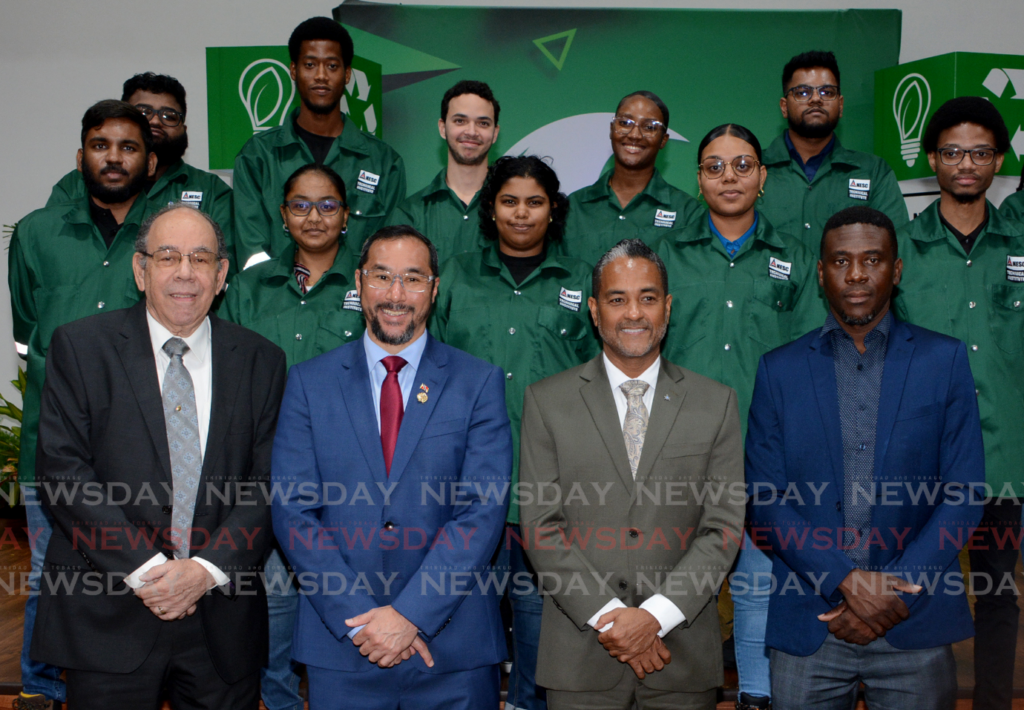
{"x": 431, "y": 372}
{"x": 136, "y": 352}
{"x": 597, "y": 395}
{"x": 356, "y": 397}
{"x": 662, "y": 417}
{"x": 823, "y": 375}
{"x": 227, "y": 375}
{"x": 894, "y": 377}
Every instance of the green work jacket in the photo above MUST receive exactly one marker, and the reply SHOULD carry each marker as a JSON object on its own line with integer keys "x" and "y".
{"x": 181, "y": 182}
{"x": 444, "y": 218}
{"x": 266, "y": 298}
{"x": 1013, "y": 206}
{"x": 800, "y": 208}
{"x": 59, "y": 269}
{"x": 373, "y": 172}
{"x": 728, "y": 312}
{"x": 977, "y": 298}
{"x": 531, "y": 330}
{"x": 597, "y": 221}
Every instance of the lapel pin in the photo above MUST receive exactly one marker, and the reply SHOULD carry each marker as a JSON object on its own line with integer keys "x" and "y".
{"x": 422, "y": 396}
{"x": 667, "y": 399}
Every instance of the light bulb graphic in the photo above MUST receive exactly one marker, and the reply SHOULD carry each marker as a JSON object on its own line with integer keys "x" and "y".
{"x": 910, "y": 104}
{"x": 252, "y": 80}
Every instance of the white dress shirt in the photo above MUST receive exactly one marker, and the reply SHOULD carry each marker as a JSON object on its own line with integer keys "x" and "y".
{"x": 659, "y": 606}
{"x": 198, "y": 362}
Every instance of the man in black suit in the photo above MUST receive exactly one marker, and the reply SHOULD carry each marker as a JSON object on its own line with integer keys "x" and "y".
{"x": 155, "y": 434}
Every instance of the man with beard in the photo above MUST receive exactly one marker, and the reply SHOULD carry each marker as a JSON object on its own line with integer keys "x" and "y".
{"x": 811, "y": 176}
{"x": 849, "y": 427}
{"x": 68, "y": 261}
{"x": 965, "y": 267}
{"x": 161, "y": 99}
{"x": 632, "y": 199}
{"x": 447, "y": 210}
{"x": 649, "y": 455}
{"x": 410, "y": 539}
{"x": 321, "y": 54}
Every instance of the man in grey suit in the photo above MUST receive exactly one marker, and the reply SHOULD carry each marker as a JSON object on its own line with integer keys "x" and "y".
{"x": 632, "y": 497}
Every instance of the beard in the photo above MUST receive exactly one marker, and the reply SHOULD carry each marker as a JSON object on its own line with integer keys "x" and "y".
{"x": 171, "y": 150}
{"x": 387, "y": 338}
{"x": 112, "y": 195}
{"x": 461, "y": 160}
{"x": 320, "y": 109}
{"x": 612, "y": 339}
{"x": 812, "y": 130}
{"x": 851, "y": 320}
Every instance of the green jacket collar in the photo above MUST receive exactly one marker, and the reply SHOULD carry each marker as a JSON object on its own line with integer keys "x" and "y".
{"x": 928, "y": 226}
{"x": 78, "y": 212}
{"x": 657, "y": 189}
{"x": 439, "y": 186}
{"x": 175, "y": 173}
{"x": 778, "y": 154}
{"x": 699, "y": 230}
{"x": 282, "y": 267}
{"x": 552, "y": 262}
{"x": 351, "y": 139}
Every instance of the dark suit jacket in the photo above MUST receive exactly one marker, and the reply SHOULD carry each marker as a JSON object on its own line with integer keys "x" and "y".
{"x": 928, "y": 449}
{"x": 105, "y": 474}
{"x": 419, "y": 539}
{"x": 674, "y": 531}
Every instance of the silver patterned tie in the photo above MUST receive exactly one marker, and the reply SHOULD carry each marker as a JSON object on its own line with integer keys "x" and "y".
{"x": 635, "y": 427}
{"x": 182, "y": 423}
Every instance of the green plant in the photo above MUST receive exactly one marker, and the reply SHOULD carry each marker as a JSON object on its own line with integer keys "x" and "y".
{"x": 10, "y": 440}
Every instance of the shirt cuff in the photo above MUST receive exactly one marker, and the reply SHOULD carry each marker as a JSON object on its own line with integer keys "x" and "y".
{"x": 356, "y": 630}
{"x": 133, "y": 580}
{"x": 613, "y": 604}
{"x": 219, "y": 578}
{"x": 665, "y": 611}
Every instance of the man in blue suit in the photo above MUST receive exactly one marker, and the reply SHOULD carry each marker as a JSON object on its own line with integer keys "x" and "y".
{"x": 864, "y": 454}
{"x": 390, "y": 469}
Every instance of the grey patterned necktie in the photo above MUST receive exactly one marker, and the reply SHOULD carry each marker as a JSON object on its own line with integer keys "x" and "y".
{"x": 182, "y": 421}
{"x": 635, "y": 427}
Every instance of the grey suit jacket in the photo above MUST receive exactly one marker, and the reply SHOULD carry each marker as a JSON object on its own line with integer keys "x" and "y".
{"x": 595, "y": 534}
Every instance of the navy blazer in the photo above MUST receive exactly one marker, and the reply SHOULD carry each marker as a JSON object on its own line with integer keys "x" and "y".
{"x": 929, "y": 466}
{"x": 420, "y": 539}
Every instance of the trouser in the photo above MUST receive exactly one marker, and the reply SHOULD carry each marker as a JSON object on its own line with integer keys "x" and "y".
{"x": 404, "y": 686}
{"x": 630, "y": 694}
{"x": 995, "y": 547}
{"x": 279, "y": 680}
{"x": 893, "y": 679}
{"x": 750, "y": 586}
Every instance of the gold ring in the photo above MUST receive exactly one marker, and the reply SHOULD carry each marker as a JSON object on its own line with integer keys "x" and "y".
{"x": 160, "y": 609}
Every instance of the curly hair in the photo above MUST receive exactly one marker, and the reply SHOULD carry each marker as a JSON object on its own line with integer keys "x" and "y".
{"x": 524, "y": 166}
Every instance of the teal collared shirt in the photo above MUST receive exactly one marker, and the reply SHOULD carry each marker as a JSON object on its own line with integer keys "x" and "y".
{"x": 436, "y": 211}
{"x": 733, "y": 247}
{"x": 412, "y": 354}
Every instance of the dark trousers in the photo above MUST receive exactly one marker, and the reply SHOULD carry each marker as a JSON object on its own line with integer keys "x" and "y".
{"x": 404, "y": 686}
{"x": 179, "y": 668}
{"x": 994, "y": 552}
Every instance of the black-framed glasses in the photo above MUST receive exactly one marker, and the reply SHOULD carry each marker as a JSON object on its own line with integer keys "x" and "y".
{"x": 803, "y": 93}
{"x": 171, "y": 258}
{"x": 168, "y": 116}
{"x": 742, "y": 165}
{"x": 955, "y": 156}
{"x": 411, "y": 281}
{"x": 326, "y": 208}
{"x": 648, "y": 126}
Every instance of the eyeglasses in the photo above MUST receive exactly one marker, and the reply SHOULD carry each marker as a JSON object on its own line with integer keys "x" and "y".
{"x": 803, "y": 92}
{"x": 171, "y": 258}
{"x": 955, "y": 156}
{"x": 168, "y": 116}
{"x": 412, "y": 282}
{"x": 624, "y": 126}
{"x": 326, "y": 208}
{"x": 742, "y": 165}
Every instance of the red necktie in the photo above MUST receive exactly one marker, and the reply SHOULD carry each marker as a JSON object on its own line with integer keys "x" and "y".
{"x": 391, "y": 409}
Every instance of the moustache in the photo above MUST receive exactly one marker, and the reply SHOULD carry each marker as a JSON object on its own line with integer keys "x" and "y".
{"x": 633, "y": 324}
{"x": 113, "y": 169}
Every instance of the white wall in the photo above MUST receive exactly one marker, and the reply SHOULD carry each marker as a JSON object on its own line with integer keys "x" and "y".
{"x": 58, "y": 57}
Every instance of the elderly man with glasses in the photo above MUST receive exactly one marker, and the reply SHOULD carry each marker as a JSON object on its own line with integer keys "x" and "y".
{"x": 632, "y": 199}
{"x": 811, "y": 176}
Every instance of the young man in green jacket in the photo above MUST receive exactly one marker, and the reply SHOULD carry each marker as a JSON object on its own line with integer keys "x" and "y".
{"x": 67, "y": 262}
{"x": 963, "y": 267}
{"x": 448, "y": 209}
{"x": 811, "y": 176}
{"x": 321, "y": 54}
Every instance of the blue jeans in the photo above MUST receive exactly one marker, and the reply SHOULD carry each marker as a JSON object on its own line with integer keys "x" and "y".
{"x": 527, "y": 606}
{"x": 279, "y": 681}
{"x": 750, "y": 586}
{"x": 37, "y": 678}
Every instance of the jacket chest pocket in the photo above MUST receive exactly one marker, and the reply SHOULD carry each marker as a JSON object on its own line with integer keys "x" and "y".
{"x": 563, "y": 324}
{"x": 1007, "y": 318}
{"x": 770, "y": 308}
{"x": 688, "y": 323}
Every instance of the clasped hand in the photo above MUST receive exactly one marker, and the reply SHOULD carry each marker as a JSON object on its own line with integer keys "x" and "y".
{"x": 172, "y": 589}
{"x": 633, "y": 639}
{"x": 388, "y": 638}
{"x": 870, "y": 606}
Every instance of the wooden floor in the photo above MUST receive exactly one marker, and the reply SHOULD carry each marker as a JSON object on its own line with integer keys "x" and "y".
{"x": 15, "y": 565}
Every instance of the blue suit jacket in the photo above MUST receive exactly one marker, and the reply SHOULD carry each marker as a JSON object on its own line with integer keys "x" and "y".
{"x": 420, "y": 539}
{"x": 929, "y": 461}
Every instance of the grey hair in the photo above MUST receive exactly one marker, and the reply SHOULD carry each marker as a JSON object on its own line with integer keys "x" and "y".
{"x": 631, "y": 249}
{"x": 142, "y": 238}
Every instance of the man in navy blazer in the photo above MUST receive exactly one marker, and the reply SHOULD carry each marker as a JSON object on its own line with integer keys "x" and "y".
{"x": 391, "y": 467}
{"x": 864, "y": 456}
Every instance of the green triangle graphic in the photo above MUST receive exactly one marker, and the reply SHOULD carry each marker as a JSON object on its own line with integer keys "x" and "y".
{"x": 393, "y": 57}
{"x": 567, "y": 35}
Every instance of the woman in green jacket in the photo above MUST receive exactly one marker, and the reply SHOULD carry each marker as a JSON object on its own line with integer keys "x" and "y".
{"x": 520, "y": 306}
